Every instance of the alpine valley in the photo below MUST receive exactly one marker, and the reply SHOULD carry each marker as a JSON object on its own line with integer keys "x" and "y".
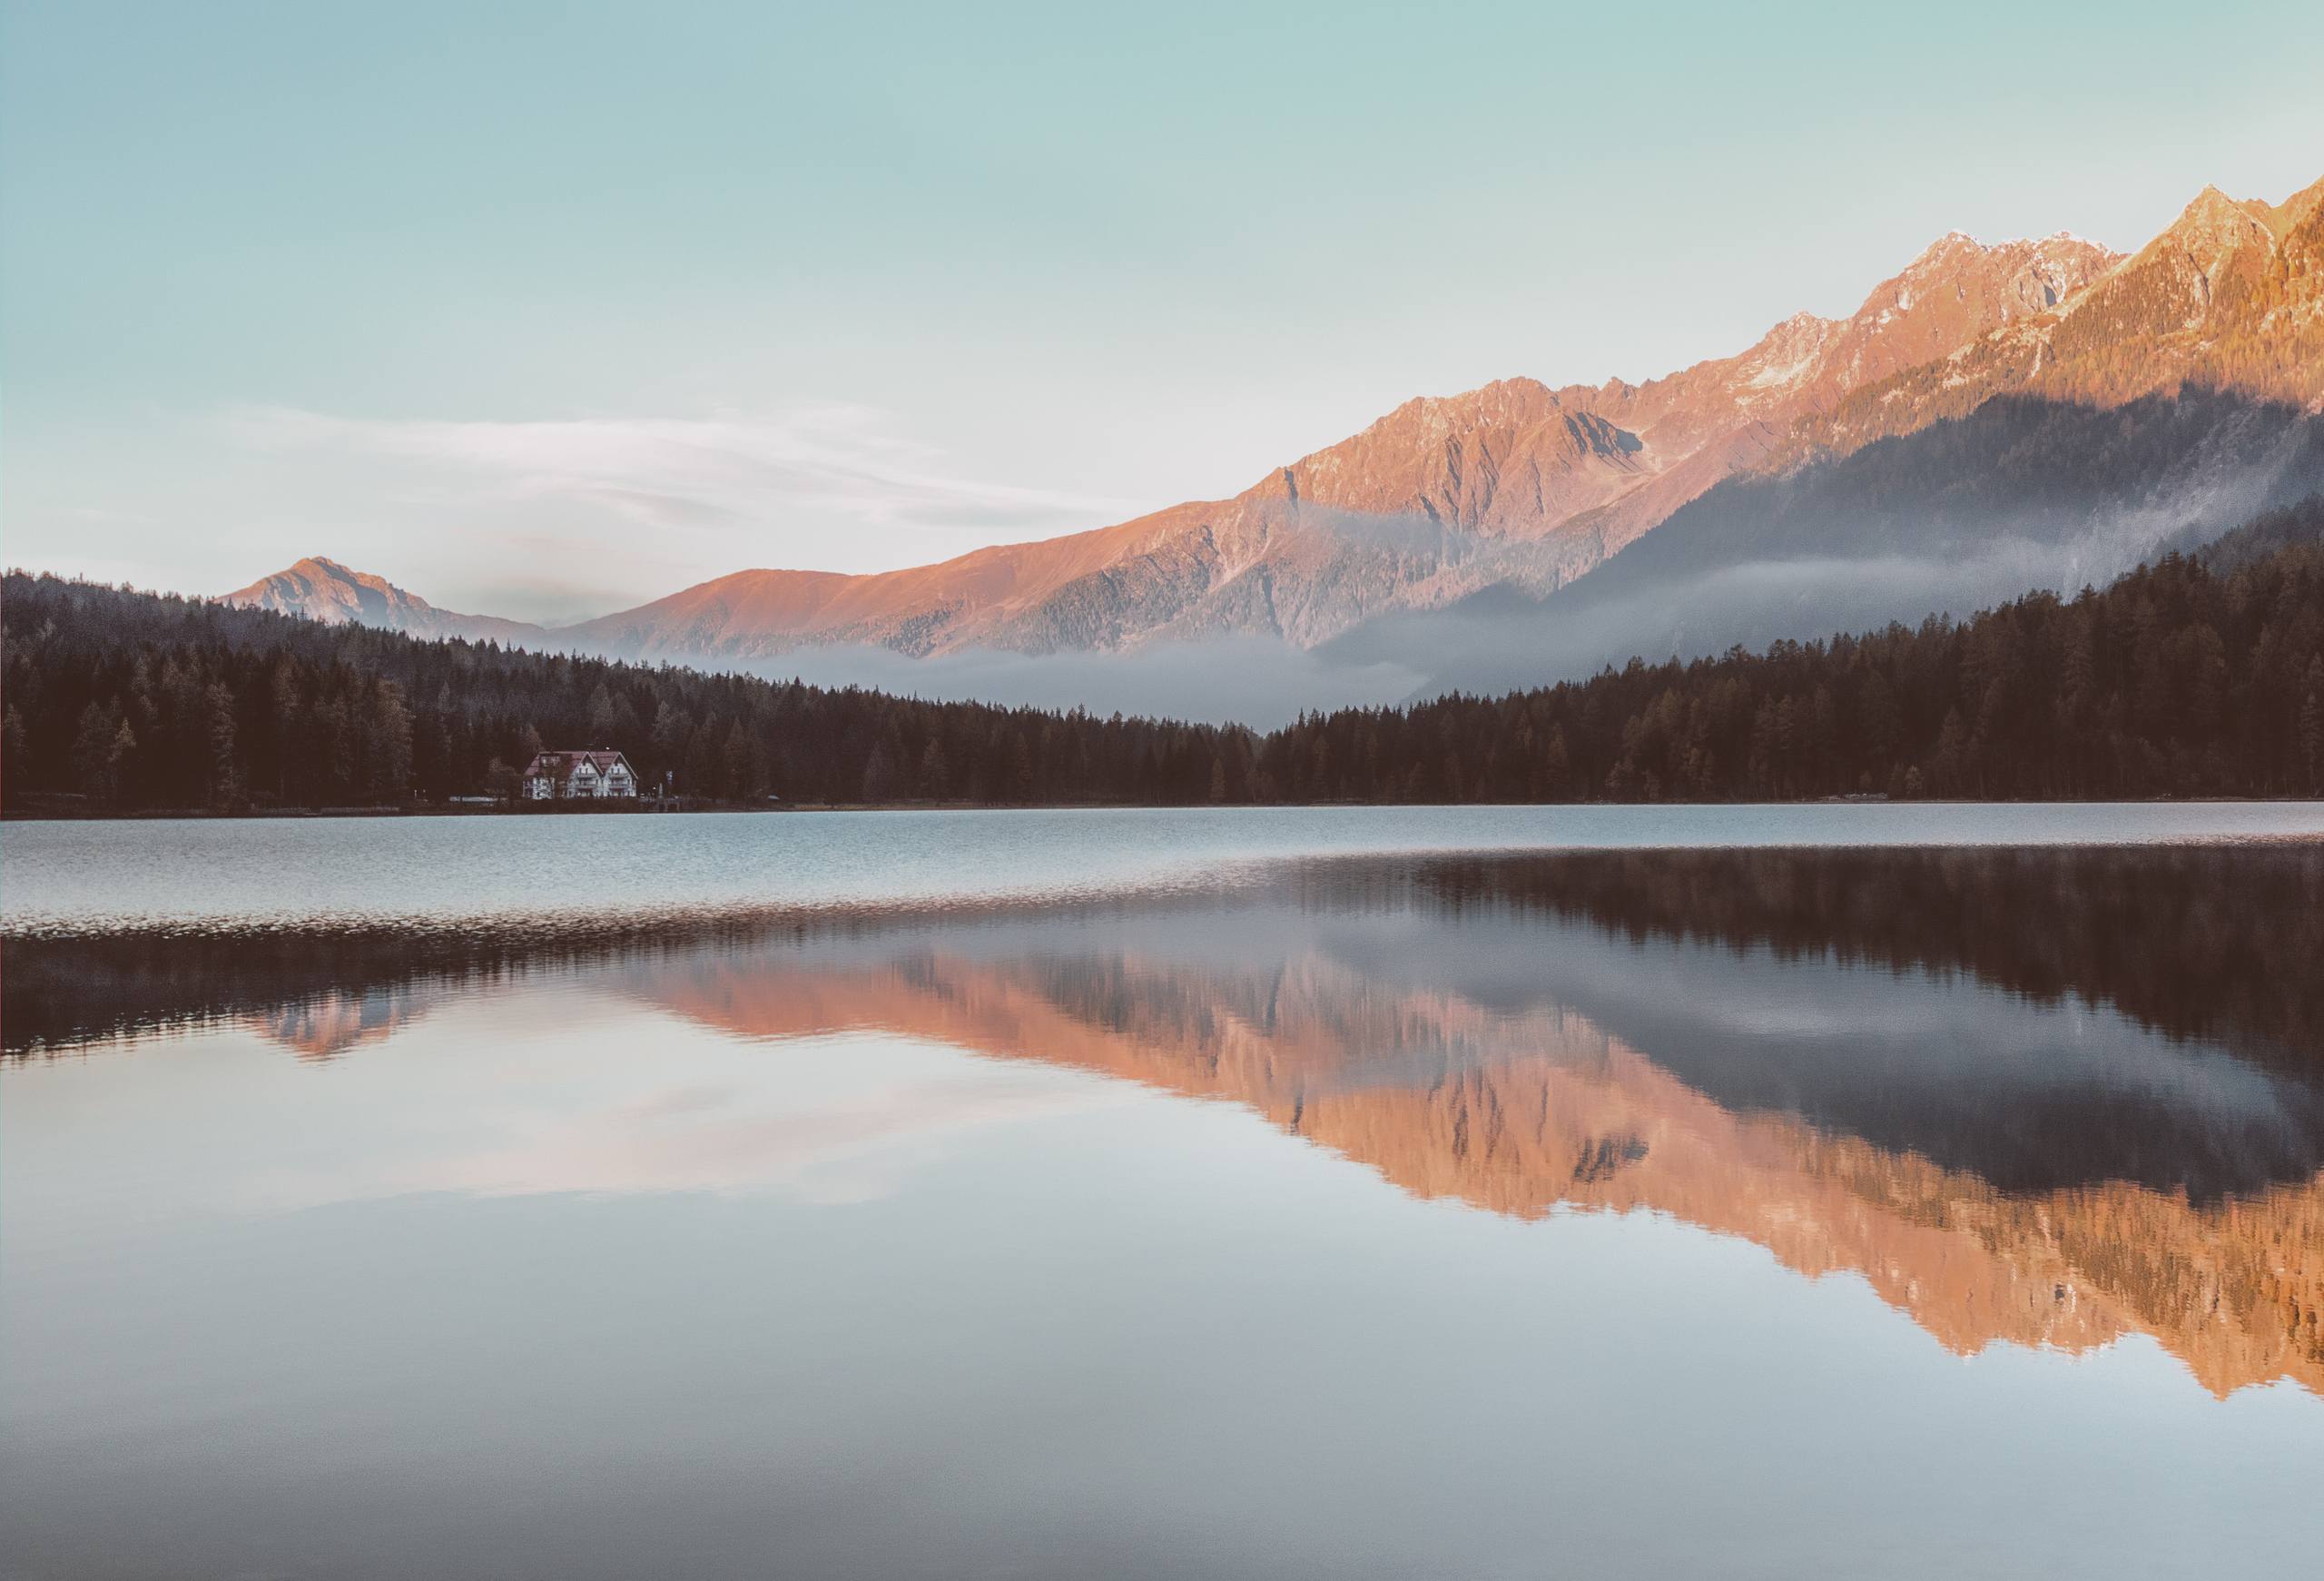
{"x": 1993, "y": 418}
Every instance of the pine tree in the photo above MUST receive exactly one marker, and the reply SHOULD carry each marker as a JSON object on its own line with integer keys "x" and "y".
{"x": 2311, "y": 727}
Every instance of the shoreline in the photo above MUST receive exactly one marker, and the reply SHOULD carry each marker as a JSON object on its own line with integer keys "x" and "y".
{"x": 166, "y": 815}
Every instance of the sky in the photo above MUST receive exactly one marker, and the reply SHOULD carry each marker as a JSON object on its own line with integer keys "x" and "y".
{"x": 544, "y": 311}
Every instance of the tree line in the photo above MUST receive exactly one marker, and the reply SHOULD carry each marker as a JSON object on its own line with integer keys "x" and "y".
{"x": 2140, "y": 928}
{"x": 2199, "y": 676}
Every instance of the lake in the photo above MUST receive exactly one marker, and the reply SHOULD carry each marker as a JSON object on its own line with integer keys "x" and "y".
{"x": 1863, "y": 1190}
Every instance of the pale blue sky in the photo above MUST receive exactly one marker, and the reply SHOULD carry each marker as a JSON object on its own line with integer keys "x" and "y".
{"x": 545, "y": 310}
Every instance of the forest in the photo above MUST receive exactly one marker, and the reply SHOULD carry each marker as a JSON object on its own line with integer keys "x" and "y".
{"x": 2196, "y": 676}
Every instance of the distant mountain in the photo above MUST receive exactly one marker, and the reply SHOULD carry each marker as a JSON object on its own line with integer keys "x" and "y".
{"x": 2022, "y": 493}
{"x": 1505, "y": 502}
{"x": 1442, "y": 497}
{"x": 2174, "y": 397}
{"x": 327, "y": 591}
{"x": 2230, "y": 296}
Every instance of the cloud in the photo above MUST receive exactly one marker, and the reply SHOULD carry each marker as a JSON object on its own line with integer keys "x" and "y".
{"x": 824, "y": 467}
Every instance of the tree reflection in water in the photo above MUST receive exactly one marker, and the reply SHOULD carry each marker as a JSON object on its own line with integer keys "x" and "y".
{"x": 2049, "y": 1096}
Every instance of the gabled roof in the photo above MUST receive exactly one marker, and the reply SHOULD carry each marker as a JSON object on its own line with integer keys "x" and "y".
{"x": 565, "y": 764}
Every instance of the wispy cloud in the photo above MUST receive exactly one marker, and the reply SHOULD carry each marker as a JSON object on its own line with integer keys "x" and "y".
{"x": 820, "y": 466}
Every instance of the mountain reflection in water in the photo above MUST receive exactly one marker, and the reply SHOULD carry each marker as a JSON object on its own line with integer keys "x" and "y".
{"x": 2049, "y": 1097}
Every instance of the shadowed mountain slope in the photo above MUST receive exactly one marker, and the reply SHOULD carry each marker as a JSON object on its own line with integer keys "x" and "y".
{"x": 1442, "y": 497}
{"x": 2022, "y": 493}
{"x": 1439, "y": 498}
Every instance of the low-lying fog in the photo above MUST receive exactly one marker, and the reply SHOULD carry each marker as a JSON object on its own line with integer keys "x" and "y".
{"x": 1500, "y": 641}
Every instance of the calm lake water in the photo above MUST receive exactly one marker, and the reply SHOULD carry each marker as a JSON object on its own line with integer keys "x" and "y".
{"x": 217, "y": 874}
{"x": 1861, "y": 1190}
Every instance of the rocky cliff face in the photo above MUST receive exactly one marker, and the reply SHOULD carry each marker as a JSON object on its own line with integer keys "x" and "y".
{"x": 1518, "y": 459}
{"x": 2230, "y": 297}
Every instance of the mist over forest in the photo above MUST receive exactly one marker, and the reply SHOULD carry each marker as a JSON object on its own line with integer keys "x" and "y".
{"x": 2194, "y": 676}
{"x": 2022, "y": 495}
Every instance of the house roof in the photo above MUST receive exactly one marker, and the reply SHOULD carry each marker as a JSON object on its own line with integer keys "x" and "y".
{"x": 565, "y": 764}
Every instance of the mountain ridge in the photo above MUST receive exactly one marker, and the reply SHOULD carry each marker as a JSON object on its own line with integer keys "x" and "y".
{"x": 2230, "y": 295}
{"x": 1437, "y": 499}
{"x": 324, "y": 589}
{"x": 1522, "y": 486}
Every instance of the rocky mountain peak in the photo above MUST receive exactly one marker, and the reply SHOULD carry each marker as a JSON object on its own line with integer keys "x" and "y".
{"x": 1494, "y": 459}
{"x": 2018, "y": 275}
{"x": 1946, "y": 252}
{"x": 319, "y": 589}
{"x": 1957, "y": 290}
{"x": 2297, "y": 210}
{"x": 2230, "y": 295}
{"x": 1502, "y": 402}
{"x": 327, "y": 574}
{"x": 2213, "y": 225}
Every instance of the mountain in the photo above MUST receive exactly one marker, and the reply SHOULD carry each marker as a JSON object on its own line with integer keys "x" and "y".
{"x": 2229, "y": 296}
{"x": 2177, "y": 395}
{"x": 327, "y": 591}
{"x": 2022, "y": 494}
{"x": 1440, "y": 497}
{"x": 1952, "y": 441}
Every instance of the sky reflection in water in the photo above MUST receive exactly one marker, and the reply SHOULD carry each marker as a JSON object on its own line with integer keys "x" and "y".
{"x": 898, "y": 1247}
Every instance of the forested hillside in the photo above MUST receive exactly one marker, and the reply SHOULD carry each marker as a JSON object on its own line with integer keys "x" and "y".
{"x": 1960, "y": 516}
{"x": 142, "y": 701}
{"x": 2189, "y": 678}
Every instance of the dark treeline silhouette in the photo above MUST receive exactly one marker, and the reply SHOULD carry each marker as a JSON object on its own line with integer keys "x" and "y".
{"x": 2196, "y": 942}
{"x": 2212, "y": 943}
{"x": 137, "y": 701}
{"x": 2193, "y": 676}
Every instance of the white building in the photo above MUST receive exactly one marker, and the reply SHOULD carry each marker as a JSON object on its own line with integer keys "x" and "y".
{"x": 562, "y": 776}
